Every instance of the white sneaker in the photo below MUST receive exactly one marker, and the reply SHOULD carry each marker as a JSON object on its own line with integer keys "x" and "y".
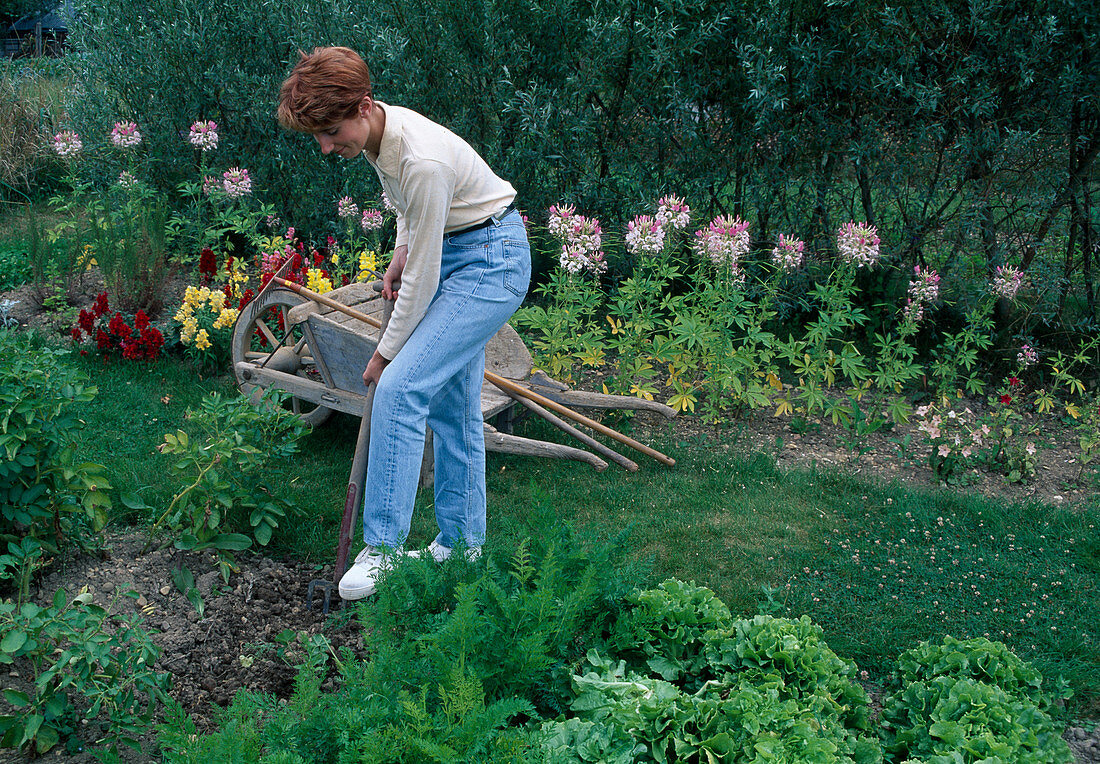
{"x": 361, "y": 579}
{"x": 439, "y": 553}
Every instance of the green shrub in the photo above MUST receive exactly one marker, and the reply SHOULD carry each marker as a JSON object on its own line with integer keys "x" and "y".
{"x": 167, "y": 63}
{"x": 239, "y": 446}
{"x": 448, "y": 721}
{"x": 15, "y": 266}
{"x": 75, "y": 652}
{"x": 45, "y": 491}
{"x": 22, "y": 136}
{"x": 521, "y": 625}
{"x": 457, "y": 655}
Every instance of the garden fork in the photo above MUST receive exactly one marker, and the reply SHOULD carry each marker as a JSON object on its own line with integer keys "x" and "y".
{"x": 353, "y": 502}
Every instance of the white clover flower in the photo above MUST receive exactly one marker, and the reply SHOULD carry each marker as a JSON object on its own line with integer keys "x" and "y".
{"x": 672, "y": 212}
{"x": 125, "y": 135}
{"x": 371, "y": 220}
{"x": 858, "y": 244}
{"x": 788, "y": 254}
{"x": 67, "y": 144}
{"x": 347, "y": 208}
{"x": 204, "y": 135}
{"x": 645, "y": 236}
{"x": 236, "y": 183}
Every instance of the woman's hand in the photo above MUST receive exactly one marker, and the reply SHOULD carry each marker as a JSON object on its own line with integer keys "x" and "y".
{"x": 375, "y": 366}
{"x": 393, "y": 273}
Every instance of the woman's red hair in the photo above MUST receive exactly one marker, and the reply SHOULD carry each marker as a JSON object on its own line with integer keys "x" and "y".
{"x": 324, "y": 87}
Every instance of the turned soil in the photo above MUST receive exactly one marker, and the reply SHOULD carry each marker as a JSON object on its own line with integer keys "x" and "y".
{"x": 243, "y": 639}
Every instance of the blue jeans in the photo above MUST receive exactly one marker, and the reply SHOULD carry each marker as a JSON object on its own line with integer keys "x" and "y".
{"x": 436, "y": 380}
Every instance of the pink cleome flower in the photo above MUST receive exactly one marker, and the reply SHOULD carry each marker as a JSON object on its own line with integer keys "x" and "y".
{"x": 858, "y": 243}
{"x": 724, "y": 242}
{"x": 673, "y": 212}
{"x": 788, "y": 254}
{"x": 371, "y": 220}
{"x": 347, "y": 208}
{"x": 125, "y": 135}
{"x": 645, "y": 236}
{"x": 204, "y": 135}
{"x": 67, "y": 144}
{"x": 923, "y": 289}
{"x": 1028, "y": 356}
{"x": 236, "y": 183}
{"x": 1006, "y": 282}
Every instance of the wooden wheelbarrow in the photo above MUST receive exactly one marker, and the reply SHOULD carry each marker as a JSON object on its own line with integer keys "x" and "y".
{"x": 314, "y": 347}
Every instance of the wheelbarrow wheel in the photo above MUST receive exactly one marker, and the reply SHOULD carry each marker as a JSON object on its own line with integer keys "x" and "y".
{"x": 263, "y": 327}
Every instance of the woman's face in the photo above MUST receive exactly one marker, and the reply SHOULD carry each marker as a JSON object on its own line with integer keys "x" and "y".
{"x": 346, "y": 138}
{"x": 349, "y": 137}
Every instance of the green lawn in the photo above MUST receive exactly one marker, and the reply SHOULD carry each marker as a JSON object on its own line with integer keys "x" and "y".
{"x": 880, "y": 567}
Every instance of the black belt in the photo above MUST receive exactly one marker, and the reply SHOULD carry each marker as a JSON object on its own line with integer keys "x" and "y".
{"x": 491, "y": 219}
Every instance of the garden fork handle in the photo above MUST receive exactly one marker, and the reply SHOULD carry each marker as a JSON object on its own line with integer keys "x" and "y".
{"x": 353, "y": 503}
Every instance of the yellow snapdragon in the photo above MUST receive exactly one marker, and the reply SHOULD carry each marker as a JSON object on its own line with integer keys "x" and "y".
{"x": 199, "y": 301}
{"x": 226, "y": 318}
{"x": 189, "y": 328}
{"x": 87, "y": 257}
{"x": 316, "y": 281}
{"x": 368, "y": 261}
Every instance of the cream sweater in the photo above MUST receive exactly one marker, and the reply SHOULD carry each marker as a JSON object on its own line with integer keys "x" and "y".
{"x": 438, "y": 184}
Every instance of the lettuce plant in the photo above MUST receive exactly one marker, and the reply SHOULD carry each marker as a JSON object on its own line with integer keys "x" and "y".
{"x": 948, "y": 720}
{"x": 793, "y": 654}
{"x": 981, "y": 660}
{"x": 667, "y": 624}
{"x": 623, "y": 716}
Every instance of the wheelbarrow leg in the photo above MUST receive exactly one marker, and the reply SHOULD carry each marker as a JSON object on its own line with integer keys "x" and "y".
{"x": 353, "y": 504}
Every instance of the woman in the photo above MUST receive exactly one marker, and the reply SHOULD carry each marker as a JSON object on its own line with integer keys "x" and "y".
{"x": 460, "y": 269}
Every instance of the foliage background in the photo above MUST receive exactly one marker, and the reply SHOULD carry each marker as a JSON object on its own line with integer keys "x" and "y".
{"x": 959, "y": 129}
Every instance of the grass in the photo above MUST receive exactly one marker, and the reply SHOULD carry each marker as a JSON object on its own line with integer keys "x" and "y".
{"x": 880, "y": 567}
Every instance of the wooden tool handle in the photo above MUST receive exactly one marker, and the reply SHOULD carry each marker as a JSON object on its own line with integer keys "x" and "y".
{"x": 506, "y": 385}
{"x": 509, "y": 386}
